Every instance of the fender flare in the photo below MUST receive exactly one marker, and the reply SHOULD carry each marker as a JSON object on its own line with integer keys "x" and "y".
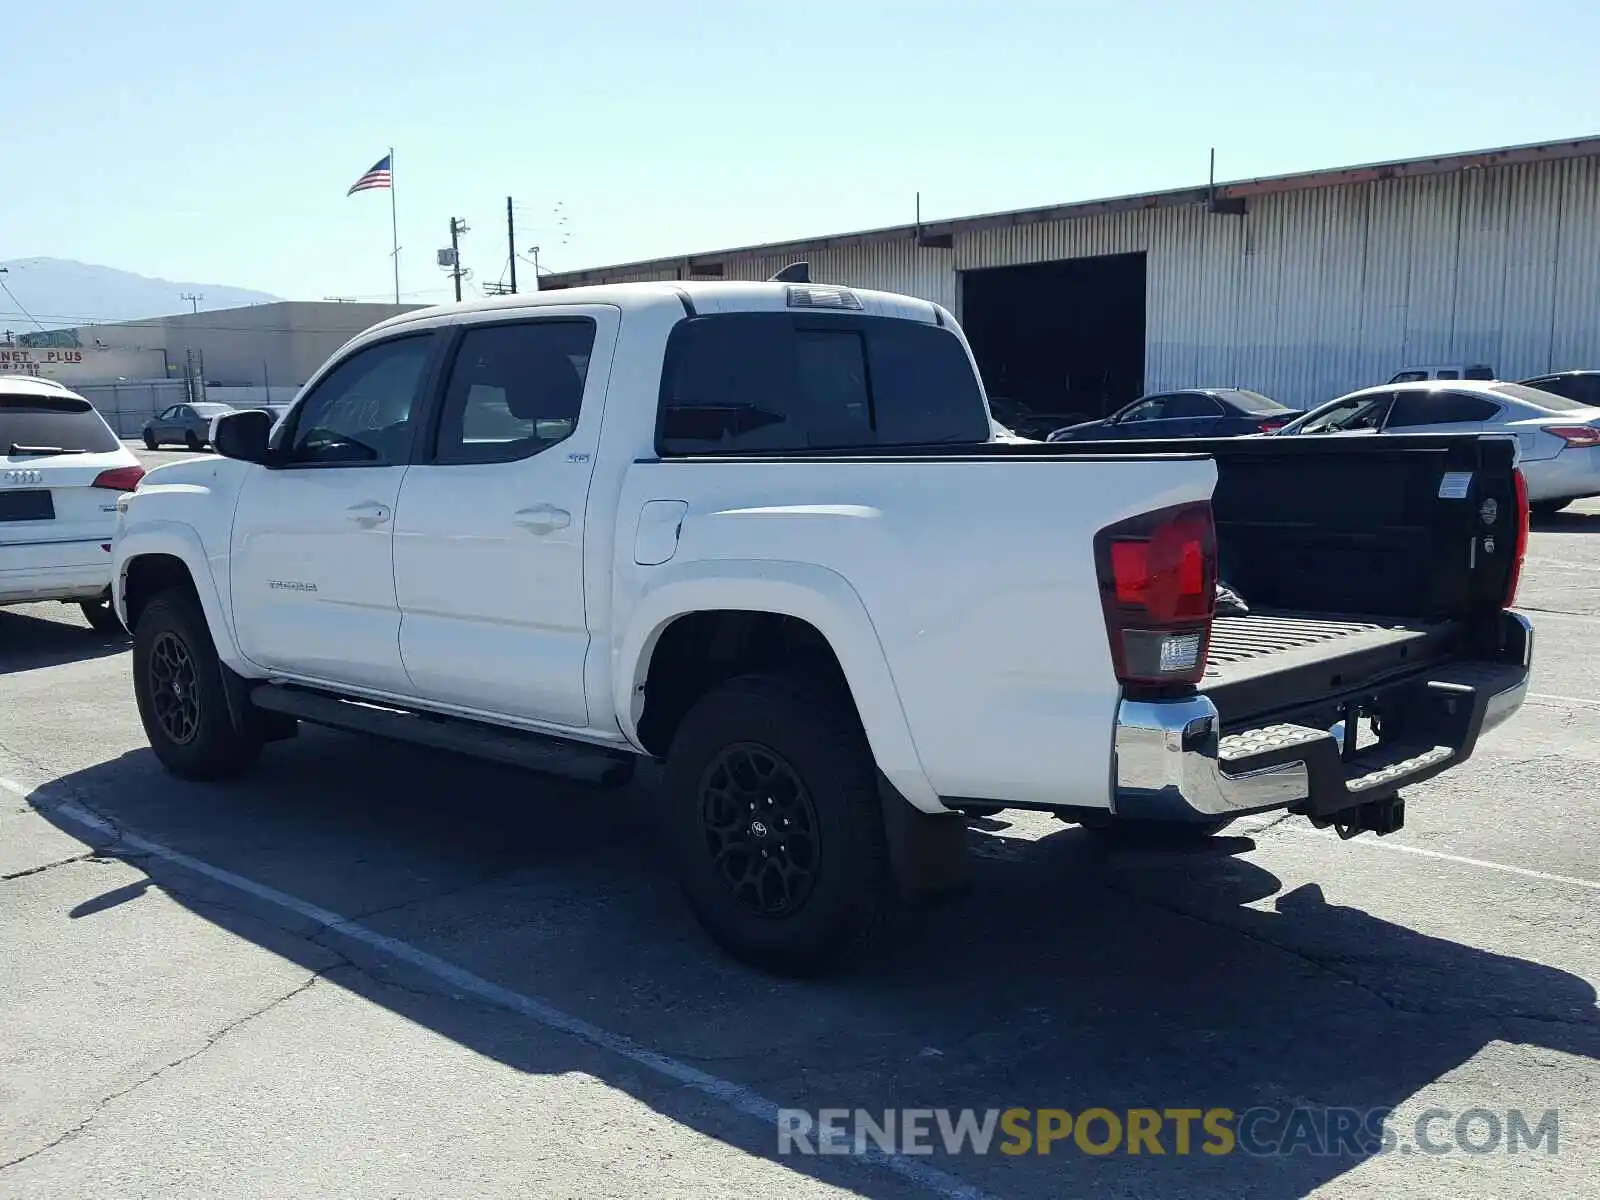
{"x": 177, "y": 540}
{"x": 814, "y": 594}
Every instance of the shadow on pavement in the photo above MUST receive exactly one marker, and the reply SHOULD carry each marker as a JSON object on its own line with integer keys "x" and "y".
{"x": 1069, "y": 978}
{"x": 1566, "y": 522}
{"x": 29, "y": 641}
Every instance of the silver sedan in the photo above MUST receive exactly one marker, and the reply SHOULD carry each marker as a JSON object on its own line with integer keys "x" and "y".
{"x": 1558, "y": 439}
{"x": 184, "y": 424}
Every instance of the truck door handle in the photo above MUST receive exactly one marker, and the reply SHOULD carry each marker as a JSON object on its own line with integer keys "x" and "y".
{"x": 542, "y": 518}
{"x": 368, "y": 514}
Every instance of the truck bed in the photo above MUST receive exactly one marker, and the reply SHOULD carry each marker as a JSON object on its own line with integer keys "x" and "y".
{"x": 1265, "y": 662}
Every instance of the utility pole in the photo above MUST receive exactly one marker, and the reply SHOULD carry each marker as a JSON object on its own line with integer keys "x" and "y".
{"x": 194, "y": 299}
{"x": 457, "y": 228}
{"x": 511, "y": 245}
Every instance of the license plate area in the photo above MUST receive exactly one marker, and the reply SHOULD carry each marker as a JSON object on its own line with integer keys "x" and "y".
{"x": 34, "y": 504}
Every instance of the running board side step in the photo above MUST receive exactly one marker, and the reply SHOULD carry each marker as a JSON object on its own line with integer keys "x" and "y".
{"x": 531, "y": 751}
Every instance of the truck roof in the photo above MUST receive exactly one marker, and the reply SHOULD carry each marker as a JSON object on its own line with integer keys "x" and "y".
{"x": 699, "y": 296}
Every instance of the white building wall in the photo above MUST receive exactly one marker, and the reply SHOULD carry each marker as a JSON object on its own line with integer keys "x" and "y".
{"x": 1312, "y": 292}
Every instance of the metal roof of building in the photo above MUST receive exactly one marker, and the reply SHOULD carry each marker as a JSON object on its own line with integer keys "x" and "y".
{"x": 1245, "y": 189}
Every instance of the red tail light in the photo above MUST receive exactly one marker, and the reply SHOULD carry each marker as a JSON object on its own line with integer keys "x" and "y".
{"x": 1520, "y": 550}
{"x": 119, "y": 479}
{"x": 1273, "y": 424}
{"x": 1575, "y": 435}
{"x": 1158, "y": 588}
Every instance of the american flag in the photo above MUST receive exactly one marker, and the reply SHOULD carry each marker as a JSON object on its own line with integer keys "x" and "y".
{"x": 379, "y": 175}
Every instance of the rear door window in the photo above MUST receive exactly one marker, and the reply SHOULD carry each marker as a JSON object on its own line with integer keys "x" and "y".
{"x": 58, "y": 424}
{"x": 1412, "y": 409}
{"x": 514, "y": 390}
{"x": 1191, "y": 406}
{"x": 780, "y": 381}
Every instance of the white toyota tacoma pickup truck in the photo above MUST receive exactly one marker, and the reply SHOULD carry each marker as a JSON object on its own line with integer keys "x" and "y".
{"x": 767, "y": 534}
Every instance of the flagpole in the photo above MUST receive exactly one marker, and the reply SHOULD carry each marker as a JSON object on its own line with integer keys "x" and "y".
{"x": 394, "y": 228}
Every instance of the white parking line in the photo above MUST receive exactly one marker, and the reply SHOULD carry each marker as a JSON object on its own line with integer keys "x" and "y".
{"x": 46, "y": 799}
{"x": 1540, "y": 614}
{"x": 1421, "y": 852}
{"x": 1545, "y": 698}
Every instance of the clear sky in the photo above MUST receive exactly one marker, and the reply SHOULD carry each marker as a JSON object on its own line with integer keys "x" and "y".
{"x": 214, "y": 141}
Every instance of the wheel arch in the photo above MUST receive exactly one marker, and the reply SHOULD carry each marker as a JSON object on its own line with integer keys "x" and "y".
{"x": 172, "y": 555}
{"x": 810, "y": 608}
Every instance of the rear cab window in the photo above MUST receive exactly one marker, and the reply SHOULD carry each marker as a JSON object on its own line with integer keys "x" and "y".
{"x": 762, "y": 382}
{"x": 33, "y": 424}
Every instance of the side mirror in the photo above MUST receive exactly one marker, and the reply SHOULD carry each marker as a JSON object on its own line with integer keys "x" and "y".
{"x": 244, "y": 435}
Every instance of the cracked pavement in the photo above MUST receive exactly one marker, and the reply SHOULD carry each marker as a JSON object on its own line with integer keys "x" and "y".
{"x": 167, "y": 1035}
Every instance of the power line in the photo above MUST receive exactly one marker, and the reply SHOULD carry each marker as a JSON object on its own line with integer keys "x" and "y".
{"x": 20, "y": 308}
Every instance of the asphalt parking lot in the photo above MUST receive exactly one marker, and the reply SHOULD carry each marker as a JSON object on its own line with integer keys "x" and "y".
{"x": 378, "y": 971}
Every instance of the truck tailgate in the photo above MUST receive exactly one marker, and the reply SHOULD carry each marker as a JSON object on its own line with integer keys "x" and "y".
{"x": 1268, "y": 661}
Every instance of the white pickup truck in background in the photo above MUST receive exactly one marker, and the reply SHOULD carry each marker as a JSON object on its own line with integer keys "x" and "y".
{"x": 765, "y": 533}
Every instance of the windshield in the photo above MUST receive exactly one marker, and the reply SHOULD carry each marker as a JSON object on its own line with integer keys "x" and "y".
{"x": 1252, "y": 402}
{"x": 66, "y": 424}
{"x": 211, "y": 410}
{"x": 1548, "y": 401}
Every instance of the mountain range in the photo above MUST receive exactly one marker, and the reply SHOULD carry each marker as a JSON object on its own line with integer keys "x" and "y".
{"x": 56, "y": 292}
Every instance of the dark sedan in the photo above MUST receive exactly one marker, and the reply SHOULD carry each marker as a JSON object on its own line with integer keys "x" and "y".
{"x": 1582, "y": 386}
{"x": 1191, "y": 413}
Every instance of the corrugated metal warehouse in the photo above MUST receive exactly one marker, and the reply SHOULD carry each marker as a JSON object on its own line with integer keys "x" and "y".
{"x": 1300, "y": 286}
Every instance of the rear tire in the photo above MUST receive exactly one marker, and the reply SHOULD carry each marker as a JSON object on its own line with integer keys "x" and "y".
{"x": 777, "y": 825}
{"x": 177, "y": 681}
{"x": 1548, "y": 508}
{"x": 102, "y": 617}
{"x": 150, "y": 442}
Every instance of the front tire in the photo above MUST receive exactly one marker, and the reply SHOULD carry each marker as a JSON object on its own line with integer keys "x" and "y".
{"x": 150, "y": 442}
{"x": 177, "y": 681}
{"x": 777, "y": 823}
{"x": 102, "y": 617}
{"x": 191, "y": 441}
{"x": 1548, "y": 508}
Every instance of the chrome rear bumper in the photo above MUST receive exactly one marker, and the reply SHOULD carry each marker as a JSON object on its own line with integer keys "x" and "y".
{"x": 1171, "y": 761}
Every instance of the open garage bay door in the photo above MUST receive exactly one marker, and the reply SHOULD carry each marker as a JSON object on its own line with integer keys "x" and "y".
{"x": 1057, "y": 342}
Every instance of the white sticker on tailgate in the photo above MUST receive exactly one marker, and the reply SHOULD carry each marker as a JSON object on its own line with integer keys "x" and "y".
{"x": 1454, "y": 485}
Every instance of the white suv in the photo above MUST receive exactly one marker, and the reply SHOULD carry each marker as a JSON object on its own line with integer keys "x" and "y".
{"x": 61, "y": 469}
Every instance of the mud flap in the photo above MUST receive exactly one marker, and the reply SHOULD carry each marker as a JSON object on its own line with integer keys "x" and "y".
{"x": 927, "y": 851}
{"x": 246, "y": 717}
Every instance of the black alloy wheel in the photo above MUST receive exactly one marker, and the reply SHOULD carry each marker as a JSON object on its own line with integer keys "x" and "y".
{"x": 174, "y": 688}
{"x": 760, "y": 828}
